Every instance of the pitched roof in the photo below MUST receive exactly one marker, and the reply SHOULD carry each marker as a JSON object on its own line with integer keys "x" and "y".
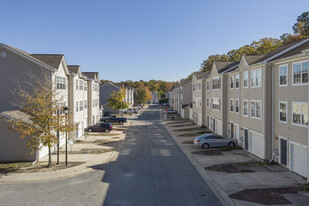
{"x": 223, "y": 66}
{"x": 200, "y": 74}
{"x": 295, "y": 51}
{"x": 253, "y": 58}
{"x": 90, "y": 74}
{"x": 52, "y": 60}
{"x": 73, "y": 68}
{"x": 279, "y": 49}
{"x": 185, "y": 81}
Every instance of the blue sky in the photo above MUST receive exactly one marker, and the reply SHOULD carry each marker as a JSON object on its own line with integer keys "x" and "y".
{"x": 142, "y": 39}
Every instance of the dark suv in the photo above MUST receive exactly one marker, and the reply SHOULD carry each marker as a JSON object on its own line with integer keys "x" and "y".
{"x": 101, "y": 127}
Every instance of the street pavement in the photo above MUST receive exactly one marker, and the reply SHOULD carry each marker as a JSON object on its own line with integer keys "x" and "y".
{"x": 150, "y": 170}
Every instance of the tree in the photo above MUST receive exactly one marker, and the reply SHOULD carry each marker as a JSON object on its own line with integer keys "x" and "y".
{"x": 266, "y": 45}
{"x": 43, "y": 103}
{"x": 236, "y": 54}
{"x": 287, "y": 38}
{"x": 117, "y": 100}
{"x": 142, "y": 94}
{"x": 207, "y": 64}
{"x": 301, "y": 27}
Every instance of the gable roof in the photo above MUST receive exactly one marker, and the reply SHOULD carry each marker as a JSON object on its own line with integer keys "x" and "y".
{"x": 73, "y": 68}
{"x": 295, "y": 51}
{"x": 282, "y": 50}
{"x": 185, "y": 81}
{"x": 200, "y": 74}
{"x": 253, "y": 58}
{"x": 92, "y": 75}
{"x": 27, "y": 56}
{"x": 52, "y": 60}
{"x": 224, "y": 66}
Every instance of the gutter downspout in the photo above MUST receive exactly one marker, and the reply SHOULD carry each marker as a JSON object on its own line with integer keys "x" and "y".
{"x": 274, "y": 156}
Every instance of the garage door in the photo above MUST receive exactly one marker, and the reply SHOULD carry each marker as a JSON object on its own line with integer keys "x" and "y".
{"x": 256, "y": 144}
{"x": 298, "y": 159}
{"x": 219, "y": 127}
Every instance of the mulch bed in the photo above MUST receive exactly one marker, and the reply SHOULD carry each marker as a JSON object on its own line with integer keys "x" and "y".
{"x": 208, "y": 152}
{"x": 230, "y": 168}
{"x": 37, "y": 167}
{"x": 266, "y": 196}
{"x": 183, "y": 125}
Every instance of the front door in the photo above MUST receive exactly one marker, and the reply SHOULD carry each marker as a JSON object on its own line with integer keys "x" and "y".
{"x": 232, "y": 130}
{"x": 283, "y": 151}
{"x": 213, "y": 125}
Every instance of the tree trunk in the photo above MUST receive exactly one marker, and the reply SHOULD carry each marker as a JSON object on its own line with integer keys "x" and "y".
{"x": 49, "y": 157}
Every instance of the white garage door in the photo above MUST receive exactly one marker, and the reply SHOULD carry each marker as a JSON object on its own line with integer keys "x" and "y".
{"x": 219, "y": 127}
{"x": 256, "y": 144}
{"x": 199, "y": 119}
{"x": 298, "y": 159}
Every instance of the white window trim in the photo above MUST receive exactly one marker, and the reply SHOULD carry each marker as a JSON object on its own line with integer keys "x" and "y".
{"x": 248, "y": 109}
{"x": 218, "y": 78}
{"x": 287, "y": 75}
{"x": 238, "y": 105}
{"x": 219, "y": 103}
{"x": 299, "y": 125}
{"x": 286, "y": 111}
{"x": 230, "y": 106}
{"x": 261, "y": 78}
{"x": 238, "y": 81}
{"x": 243, "y": 82}
{"x": 301, "y": 84}
{"x": 259, "y": 118}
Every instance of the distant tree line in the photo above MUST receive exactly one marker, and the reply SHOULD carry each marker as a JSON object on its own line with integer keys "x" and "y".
{"x": 263, "y": 46}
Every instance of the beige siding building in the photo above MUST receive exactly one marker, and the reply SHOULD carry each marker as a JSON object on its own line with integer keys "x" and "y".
{"x": 196, "y": 112}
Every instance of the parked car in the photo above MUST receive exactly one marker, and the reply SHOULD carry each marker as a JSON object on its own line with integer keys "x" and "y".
{"x": 130, "y": 111}
{"x": 170, "y": 111}
{"x": 113, "y": 119}
{"x": 101, "y": 127}
{"x": 213, "y": 140}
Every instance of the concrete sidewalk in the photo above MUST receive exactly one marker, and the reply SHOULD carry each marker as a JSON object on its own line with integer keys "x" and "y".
{"x": 92, "y": 142}
{"x": 225, "y": 184}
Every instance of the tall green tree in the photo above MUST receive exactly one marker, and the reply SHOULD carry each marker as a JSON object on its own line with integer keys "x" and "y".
{"x": 301, "y": 27}
{"x": 266, "y": 45}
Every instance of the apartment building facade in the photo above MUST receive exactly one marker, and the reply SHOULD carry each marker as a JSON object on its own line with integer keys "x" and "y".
{"x": 196, "y": 111}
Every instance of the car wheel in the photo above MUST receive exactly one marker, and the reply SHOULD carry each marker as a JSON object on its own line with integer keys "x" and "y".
{"x": 89, "y": 130}
{"x": 205, "y": 146}
{"x": 231, "y": 145}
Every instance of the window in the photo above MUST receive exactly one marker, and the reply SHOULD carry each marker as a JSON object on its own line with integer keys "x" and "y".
{"x": 81, "y": 85}
{"x": 232, "y": 81}
{"x": 207, "y": 85}
{"x": 245, "y": 107}
{"x": 76, "y": 84}
{"x": 300, "y": 72}
{"x": 245, "y": 79}
{"x": 207, "y": 102}
{"x": 85, "y": 104}
{"x": 81, "y": 103}
{"x": 85, "y": 86}
{"x": 282, "y": 111}
{"x": 300, "y": 113}
{"x": 256, "y": 78}
{"x": 193, "y": 87}
{"x": 236, "y": 105}
{"x": 216, "y": 103}
{"x": 61, "y": 82}
{"x": 237, "y": 81}
{"x": 199, "y": 102}
{"x": 231, "y": 105}
{"x": 76, "y": 106}
{"x": 216, "y": 83}
{"x": 283, "y": 72}
{"x": 198, "y": 87}
{"x": 256, "y": 109}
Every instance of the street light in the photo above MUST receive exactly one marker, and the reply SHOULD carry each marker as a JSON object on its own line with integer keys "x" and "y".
{"x": 65, "y": 111}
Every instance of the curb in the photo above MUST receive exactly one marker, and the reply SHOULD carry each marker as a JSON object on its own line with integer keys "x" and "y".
{"x": 48, "y": 176}
{"x": 221, "y": 195}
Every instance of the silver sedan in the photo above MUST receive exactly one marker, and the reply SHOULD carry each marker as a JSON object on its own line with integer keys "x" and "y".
{"x": 213, "y": 140}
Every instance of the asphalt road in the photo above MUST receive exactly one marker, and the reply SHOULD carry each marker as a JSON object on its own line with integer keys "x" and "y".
{"x": 150, "y": 170}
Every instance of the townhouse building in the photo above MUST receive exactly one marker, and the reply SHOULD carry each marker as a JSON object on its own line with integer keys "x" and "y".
{"x": 20, "y": 68}
{"x": 72, "y": 86}
{"x": 185, "y": 95}
{"x": 196, "y": 110}
{"x": 78, "y": 100}
{"x": 107, "y": 89}
{"x": 290, "y": 108}
{"x": 215, "y": 93}
{"x": 93, "y": 107}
